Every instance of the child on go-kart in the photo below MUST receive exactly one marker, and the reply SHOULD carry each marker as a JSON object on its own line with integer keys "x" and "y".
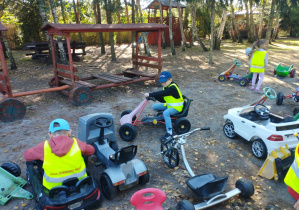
{"x": 171, "y": 98}
{"x": 61, "y": 155}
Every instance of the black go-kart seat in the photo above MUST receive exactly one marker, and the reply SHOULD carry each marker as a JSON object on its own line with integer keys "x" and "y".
{"x": 184, "y": 112}
{"x": 124, "y": 155}
{"x": 55, "y": 190}
{"x": 207, "y": 185}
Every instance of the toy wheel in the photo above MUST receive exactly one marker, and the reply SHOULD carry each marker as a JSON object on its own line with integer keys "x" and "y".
{"x": 108, "y": 189}
{"x": 259, "y": 149}
{"x": 279, "y": 98}
{"x": 229, "y": 130}
{"x": 237, "y": 62}
{"x": 292, "y": 74}
{"x": 269, "y": 93}
{"x": 12, "y": 168}
{"x": 11, "y": 109}
{"x": 182, "y": 125}
{"x": 274, "y": 72}
{"x": 51, "y": 81}
{"x": 185, "y": 205}
{"x": 170, "y": 156}
{"x": 246, "y": 187}
{"x": 144, "y": 178}
{"x": 80, "y": 96}
{"x": 296, "y": 111}
{"x": 127, "y": 112}
{"x": 243, "y": 82}
{"x": 127, "y": 132}
{"x": 221, "y": 78}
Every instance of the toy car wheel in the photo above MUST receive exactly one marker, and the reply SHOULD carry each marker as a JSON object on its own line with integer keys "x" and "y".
{"x": 246, "y": 187}
{"x": 12, "y": 168}
{"x": 259, "y": 149}
{"x": 127, "y": 112}
{"x": 170, "y": 156}
{"x": 127, "y": 132}
{"x": 243, "y": 82}
{"x": 229, "y": 130}
{"x": 182, "y": 125}
{"x": 292, "y": 74}
{"x": 279, "y": 98}
{"x": 274, "y": 72}
{"x": 296, "y": 111}
{"x": 185, "y": 205}
{"x": 221, "y": 78}
{"x": 108, "y": 189}
{"x": 144, "y": 178}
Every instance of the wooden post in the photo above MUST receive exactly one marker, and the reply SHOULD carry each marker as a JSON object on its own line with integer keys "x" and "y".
{"x": 5, "y": 71}
{"x": 68, "y": 42}
{"x": 137, "y": 60}
{"x": 159, "y": 51}
{"x": 54, "y": 60}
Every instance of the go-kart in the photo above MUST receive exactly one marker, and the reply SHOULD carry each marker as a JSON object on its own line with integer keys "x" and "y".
{"x": 72, "y": 194}
{"x": 130, "y": 119}
{"x": 266, "y": 131}
{"x": 281, "y": 97}
{"x": 207, "y": 187}
{"x": 122, "y": 171}
{"x": 283, "y": 71}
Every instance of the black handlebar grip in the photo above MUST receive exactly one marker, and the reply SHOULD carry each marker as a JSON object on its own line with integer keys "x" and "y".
{"x": 205, "y": 128}
{"x": 167, "y": 141}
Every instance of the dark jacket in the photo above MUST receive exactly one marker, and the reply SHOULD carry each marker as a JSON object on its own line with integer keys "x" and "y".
{"x": 168, "y": 91}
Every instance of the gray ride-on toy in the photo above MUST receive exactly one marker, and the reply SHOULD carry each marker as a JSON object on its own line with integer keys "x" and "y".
{"x": 122, "y": 171}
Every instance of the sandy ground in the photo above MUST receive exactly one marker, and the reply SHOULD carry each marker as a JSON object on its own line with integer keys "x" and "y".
{"x": 207, "y": 151}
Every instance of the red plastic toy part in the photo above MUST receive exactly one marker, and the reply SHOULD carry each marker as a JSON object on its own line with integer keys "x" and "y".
{"x": 148, "y": 198}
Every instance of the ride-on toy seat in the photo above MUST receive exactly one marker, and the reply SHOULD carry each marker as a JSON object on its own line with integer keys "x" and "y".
{"x": 124, "y": 155}
{"x": 184, "y": 112}
{"x": 206, "y": 186}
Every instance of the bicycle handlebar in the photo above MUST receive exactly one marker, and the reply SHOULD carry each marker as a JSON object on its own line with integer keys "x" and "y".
{"x": 185, "y": 134}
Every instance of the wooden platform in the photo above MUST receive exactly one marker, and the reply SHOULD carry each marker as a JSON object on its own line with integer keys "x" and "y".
{"x": 138, "y": 73}
{"x": 78, "y": 83}
{"x": 111, "y": 77}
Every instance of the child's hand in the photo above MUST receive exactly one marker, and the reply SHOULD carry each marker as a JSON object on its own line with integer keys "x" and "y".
{"x": 146, "y": 95}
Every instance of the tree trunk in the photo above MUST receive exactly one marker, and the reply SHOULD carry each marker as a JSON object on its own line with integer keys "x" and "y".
{"x": 231, "y": 26}
{"x": 220, "y": 30}
{"x": 13, "y": 64}
{"x": 161, "y": 21}
{"x": 76, "y": 17}
{"x": 193, "y": 24}
{"x": 60, "y": 44}
{"x": 212, "y": 31}
{"x": 252, "y": 25}
{"x": 63, "y": 11}
{"x": 268, "y": 33}
{"x": 127, "y": 12}
{"x": 111, "y": 34}
{"x": 261, "y": 20}
{"x": 249, "y": 32}
{"x": 181, "y": 26}
{"x": 235, "y": 23}
{"x": 276, "y": 26}
{"x": 119, "y": 22}
{"x": 170, "y": 29}
{"x": 99, "y": 21}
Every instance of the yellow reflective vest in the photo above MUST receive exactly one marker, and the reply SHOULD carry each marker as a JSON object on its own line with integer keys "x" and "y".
{"x": 58, "y": 169}
{"x": 292, "y": 177}
{"x": 257, "y": 64}
{"x": 176, "y": 103}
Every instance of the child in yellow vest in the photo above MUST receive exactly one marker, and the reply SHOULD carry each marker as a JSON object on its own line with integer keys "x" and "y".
{"x": 258, "y": 63}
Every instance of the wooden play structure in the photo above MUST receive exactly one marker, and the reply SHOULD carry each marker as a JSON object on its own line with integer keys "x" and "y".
{"x": 153, "y": 9}
{"x": 65, "y": 78}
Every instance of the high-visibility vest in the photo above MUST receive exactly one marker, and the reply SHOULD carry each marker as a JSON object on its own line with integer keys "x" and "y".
{"x": 176, "y": 103}
{"x": 58, "y": 169}
{"x": 257, "y": 64}
{"x": 292, "y": 177}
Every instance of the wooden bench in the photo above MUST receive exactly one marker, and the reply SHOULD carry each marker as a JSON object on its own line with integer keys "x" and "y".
{"x": 78, "y": 83}
{"x": 111, "y": 77}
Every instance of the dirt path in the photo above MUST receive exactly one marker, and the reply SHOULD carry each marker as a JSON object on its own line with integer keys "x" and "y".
{"x": 207, "y": 151}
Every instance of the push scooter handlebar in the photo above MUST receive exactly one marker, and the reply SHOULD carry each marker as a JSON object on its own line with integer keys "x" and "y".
{"x": 185, "y": 134}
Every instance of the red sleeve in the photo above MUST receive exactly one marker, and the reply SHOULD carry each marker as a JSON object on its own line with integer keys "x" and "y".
{"x": 86, "y": 149}
{"x": 35, "y": 153}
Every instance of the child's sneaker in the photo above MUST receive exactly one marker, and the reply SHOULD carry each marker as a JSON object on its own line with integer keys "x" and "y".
{"x": 294, "y": 96}
{"x": 258, "y": 91}
{"x": 251, "y": 88}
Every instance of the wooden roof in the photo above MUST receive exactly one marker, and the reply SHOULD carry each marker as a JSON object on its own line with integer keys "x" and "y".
{"x": 2, "y": 27}
{"x": 54, "y": 28}
{"x": 165, "y": 4}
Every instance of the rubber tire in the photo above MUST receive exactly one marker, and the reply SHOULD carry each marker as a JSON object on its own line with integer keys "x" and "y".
{"x": 127, "y": 112}
{"x": 174, "y": 153}
{"x": 292, "y": 74}
{"x": 279, "y": 98}
{"x": 244, "y": 81}
{"x": 12, "y": 168}
{"x": 246, "y": 187}
{"x": 132, "y": 132}
{"x": 274, "y": 72}
{"x": 221, "y": 78}
{"x": 107, "y": 187}
{"x": 144, "y": 178}
{"x": 296, "y": 111}
{"x": 229, "y": 123}
{"x": 179, "y": 123}
{"x": 264, "y": 149}
{"x": 185, "y": 205}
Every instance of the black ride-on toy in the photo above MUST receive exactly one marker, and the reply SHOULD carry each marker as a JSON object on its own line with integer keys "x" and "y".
{"x": 130, "y": 119}
{"x": 72, "y": 194}
{"x": 122, "y": 171}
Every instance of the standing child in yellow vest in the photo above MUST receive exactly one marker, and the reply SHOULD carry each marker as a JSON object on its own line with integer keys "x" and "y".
{"x": 171, "y": 98}
{"x": 61, "y": 155}
{"x": 258, "y": 63}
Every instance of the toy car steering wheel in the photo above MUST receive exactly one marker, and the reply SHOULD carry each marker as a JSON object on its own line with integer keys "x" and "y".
{"x": 262, "y": 111}
{"x": 102, "y": 122}
{"x": 269, "y": 93}
{"x": 237, "y": 62}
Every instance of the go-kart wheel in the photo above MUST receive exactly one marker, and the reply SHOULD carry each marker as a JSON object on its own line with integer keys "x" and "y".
{"x": 237, "y": 62}
{"x": 296, "y": 111}
{"x": 108, "y": 189}
{"x": 229, "y": 130}
{"x": 246, "y": 187}
{"x": 51, "y": 81}
{"x": 127, "y": 132}
{"x": 243, "y": 82}
{"x": 144, "y": 178}
{"x": 12, "y": 168}
{"x": 127, "y": 112}
{"x": 182, "y": 125}
{"x": 221, "y": 78}
{"x": 292, "y": 74}
{"x": 259, "y": 149}
{"x": 170, "y": 156}
{"x": 279, "y": 98}
{"x": 185, "y": 205}
{"x": 269, "y": 93}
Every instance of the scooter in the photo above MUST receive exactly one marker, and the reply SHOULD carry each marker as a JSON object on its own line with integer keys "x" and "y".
{"x": 206, "y": 186}
{"x": 130, "y": 119}
{"x": 122, "y": 171}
